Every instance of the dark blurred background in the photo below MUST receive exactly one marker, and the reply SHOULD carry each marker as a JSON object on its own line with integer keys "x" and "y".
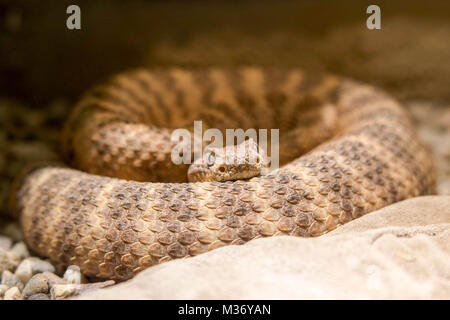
{"x": 44, "y": 67}
{"x": 40, "y": 59}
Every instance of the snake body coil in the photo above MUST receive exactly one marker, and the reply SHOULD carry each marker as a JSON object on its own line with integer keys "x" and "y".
{"x": 346, "y": 148}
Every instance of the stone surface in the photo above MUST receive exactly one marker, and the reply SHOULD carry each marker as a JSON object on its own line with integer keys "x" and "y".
{"x": 40, "y": 266}
{"x": 39, "y": 296}
{"x": 24, "y": 271}
{"x": 3, "y": 289}
{"x": 13, "y": 258}
{"x": 37, "y": 284}
{"x": 5, "y": 261}
{"x": 399, "y": 252}
{"x": 62, "y": 291}
{"x": 5, "y": 242}
{"x": 73, "y": 275}
{"x": 12, "y": 294}
{"x": 10, "y": 279}
{"x": 21, "y": 250}
{"x": 89, "y": 287}
{"x": 53, "y": 279}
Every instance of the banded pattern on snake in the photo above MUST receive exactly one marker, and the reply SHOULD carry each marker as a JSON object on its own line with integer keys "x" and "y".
{"x": 346, "y": 148}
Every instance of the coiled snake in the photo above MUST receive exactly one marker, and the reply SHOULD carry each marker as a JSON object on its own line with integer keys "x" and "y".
{"x": 346, "y": 149}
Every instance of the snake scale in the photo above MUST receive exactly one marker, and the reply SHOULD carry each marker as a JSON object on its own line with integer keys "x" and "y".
{"x": 346, "y": 149}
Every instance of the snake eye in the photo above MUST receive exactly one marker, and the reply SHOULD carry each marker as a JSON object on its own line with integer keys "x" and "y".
{"x": 211, "y": 159}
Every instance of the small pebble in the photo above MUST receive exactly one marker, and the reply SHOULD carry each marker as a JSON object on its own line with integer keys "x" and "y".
{"x": 73, "y": 275}
{"x": 39, "y": 296}
{"x": 5, "y": 261}
{"x": 24, "y": 271}
{"x": 5, "y": 242}
{"x": 13, "y": 294}
{"x": 3, "y": 289}
{"x": 53, "y": 279}
{"x": 37, "y": 284}
{"x": 40, "y": 266}
{"x": 21, "y": 250}
{"x": 10, "y": 279}
{"x": 13, "y": 258}
{"x": 61, "y": 291}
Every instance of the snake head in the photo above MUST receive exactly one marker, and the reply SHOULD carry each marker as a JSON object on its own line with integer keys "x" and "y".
{"x": 244, "y": 161}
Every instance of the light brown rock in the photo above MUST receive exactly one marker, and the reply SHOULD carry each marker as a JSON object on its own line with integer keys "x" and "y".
{"x": 13, "y": 294}
{"x": 40, "y": 266}
{"x": 39, "y": 296}
{"x": 53, "y": 279}
{"x": 5, "y": 242}
{"x": 10, "y": 279}
{"x": 6, "y": 263}
{"x": 24, "y": 271}
{"x": 37, "y": 284}
{"x": 3, "y": 289}
{"x": 73, "y": 275}
{"x": 90, "y": 287}
{"x": 21, "y": 250}
{"x": 399, "y": 252}
{"x": 62, "y": 291}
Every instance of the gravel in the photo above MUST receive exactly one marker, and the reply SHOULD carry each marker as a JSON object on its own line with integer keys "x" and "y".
{"x": 3, "y": 289}
{"x": 13, "y": 293}
{"x": 5, "y": 243}
{"x": 73, "y": 275}
{"x": 37, "y": 284}
{"x": 26, "y": 277}
{"x": 24, "y": 271}
{"x": 39, "y": 296}
{"x": 40, "y": 266}
{"x": 21, "y": 250}
{"x": 10, "y": 279}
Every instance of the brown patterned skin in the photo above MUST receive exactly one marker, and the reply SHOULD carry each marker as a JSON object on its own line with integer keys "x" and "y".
{"x": 347, "y": 149}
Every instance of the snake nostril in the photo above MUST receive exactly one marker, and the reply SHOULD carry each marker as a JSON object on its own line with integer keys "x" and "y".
{"x": 222, "y": 169}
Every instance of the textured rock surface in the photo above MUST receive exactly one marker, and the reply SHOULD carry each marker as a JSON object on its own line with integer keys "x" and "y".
{"x": 37, "y": 284}
{"x": 5, "y": 242}
{"x": 13, "y": 293}
{"x": 401, "y": 251}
